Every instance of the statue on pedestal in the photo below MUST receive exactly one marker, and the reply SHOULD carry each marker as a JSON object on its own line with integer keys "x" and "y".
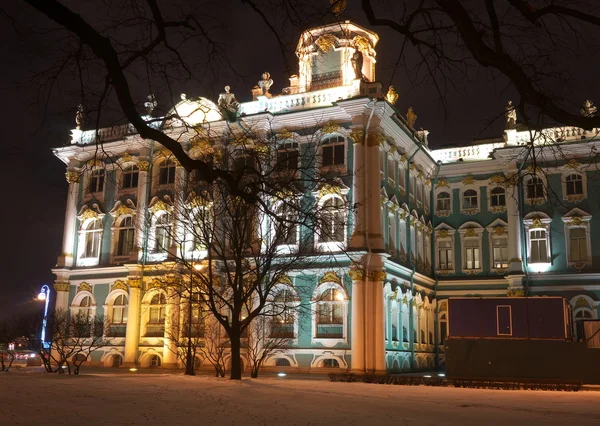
{"x": 79, "y": 117}
{"x": 265, "y": 84}
{"x": 588, "y": 109}
{"x": 510, "y": 113}
{"x": 411, "y": 118}
{"x": 150, "y": 104}
{"x": 228, "y": 104}
{"x": 357, "y": 64}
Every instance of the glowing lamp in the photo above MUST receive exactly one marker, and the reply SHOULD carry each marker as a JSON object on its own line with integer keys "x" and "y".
{"x": 339, "y": 296}
{"x": 281, "y": 374}
{"x": 42, "y": 296}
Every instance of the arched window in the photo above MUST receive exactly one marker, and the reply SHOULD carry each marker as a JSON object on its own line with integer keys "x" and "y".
{"x": 85, "y": 307}
{"x": 332, "y": 221}
{"x": 286, "y": 230}
{"x": 283, "y": 313}
{"x": 118, "y": 317}
{"x": 443, "y": 202}
{"x": 330, "y": 314}
{"x": 574, "y": 184}
{"x": 282, "y": 362}
{"x": 395, "y": 313}
{"x": 162, "y": 238}
{"x": 156, "y": 319}
{"x": 535, "y": 188}
{"x": 96, "y": 183}
{"x": 498, "y": 197}
{"x": 125, "y": 239}
{"x": 334, "y": 151}
{"x": 404, "y": 334}
{"x": 166, "y": 172}
{"x": 579, "y": 316}
{"x": 330, "y": 363}
{"x": 130, "y": 177}
{"x": 155, "y": 361}
{"x": 470, "y": 199}
{"x": 443, "y": 328}
{"x": 92, "y": 239}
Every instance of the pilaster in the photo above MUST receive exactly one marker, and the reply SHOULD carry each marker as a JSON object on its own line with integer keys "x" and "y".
{"x": 62, "y": 295}
{"x": 515, "y": 262}
{"x": 66, "y": 258}
{"x": 142, "y": 207}
{"x": 171, "y": 329}
{"x": 132, "y": 338}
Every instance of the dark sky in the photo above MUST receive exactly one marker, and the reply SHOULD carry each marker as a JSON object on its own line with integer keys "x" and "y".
{"x": 32, "y": 179}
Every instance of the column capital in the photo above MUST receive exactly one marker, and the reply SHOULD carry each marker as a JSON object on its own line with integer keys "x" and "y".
{"x": 143, "y": 166}
{"x": 72, "y": 176}
{"x": 134, "y": 282}
{"x": 61, "y": 285}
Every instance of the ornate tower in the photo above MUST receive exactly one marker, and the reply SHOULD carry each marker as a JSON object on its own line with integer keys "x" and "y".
{"x": 336, "y": 55}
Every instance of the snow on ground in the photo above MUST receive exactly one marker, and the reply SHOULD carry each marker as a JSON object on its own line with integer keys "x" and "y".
{"x": 152, "y": 399}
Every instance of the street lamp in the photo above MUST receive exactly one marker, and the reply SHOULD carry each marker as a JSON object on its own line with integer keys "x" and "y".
{"x": 44, "y": 295}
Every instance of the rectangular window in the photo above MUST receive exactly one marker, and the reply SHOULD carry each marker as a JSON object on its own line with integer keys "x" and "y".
{"x": 578, "y": 245}
{"x": 97, "y": 181}
{"x": 472, "y": 254}
{"x": 166, "y": 173}
{"x": 539, "y": 252}
{"x": 333, "y": 155}
{"x": 500, "y": 253}
{"x": 445, "y": 254}
{"x": 504, "y": 320}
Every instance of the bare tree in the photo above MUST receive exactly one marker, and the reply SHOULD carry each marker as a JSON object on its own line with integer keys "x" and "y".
{"x": 267, "y": 336}
{"x": 215, "y": 347}
{"x": 8, "y": 335}
{"x": 73, "y": 338}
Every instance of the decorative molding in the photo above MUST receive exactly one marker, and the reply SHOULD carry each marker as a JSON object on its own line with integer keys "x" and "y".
{"x": 378, "y": 275}
{"x": 357, "y": 274}
{"x": 330, "y": 127}
{"x": 331, "y": 277}
{"x": 134, "y": 282}
{"x": 62, "y": 285}
{"x": 73, "y": 177}
{"x": 469, "y": 180}
{"x": 285, "y": 279}
{"x": 118, "y": 285}
{"x": 144, "y": 166}
{"x": 513, "y": 292}
{"x": 358, "y": 136}
{"x": 442, "y": 183}
{"x": 84, "y": 287}
{"x": 121, "y": 209}
{"x": 326, "y": 42}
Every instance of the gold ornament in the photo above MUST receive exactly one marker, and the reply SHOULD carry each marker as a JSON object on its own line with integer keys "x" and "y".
{"x": 329, "y": 189}
{"x": 134, "y": 282}
{"x": 330, "y": 127}
{"x": 358, "y": 136}
{"x": 285, "y": 134}
{"x": 469, "y": 180}
{"x": 391, "y": 95}
{"x": 84, "y": 287}
{"x": 143, "y": 166}
{"x": 73, "y": 177}
{"x": 326, "y": 42}
{"x": 119, "y": 285}
{"x": 331, "y": 277}
{"x": 62, "y": 285}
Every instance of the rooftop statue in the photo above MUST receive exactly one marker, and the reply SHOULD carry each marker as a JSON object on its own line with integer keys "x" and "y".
{"x": 411, "y": 118}
{"x": 79, "y": 117}
{"x": 588, "y": 109}
{"x": 228, "y": 104}
{"x": 265, "y": 84}
{"x": 391, "y": 95}
{"x": 510, "y": 113}
{"x": 337, "y": 6}
{"x": 357, "y": 63}
{"x": 150, "y": 104}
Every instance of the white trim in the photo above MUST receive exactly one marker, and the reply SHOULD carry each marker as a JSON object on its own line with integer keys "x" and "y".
{"x": 477, "y": 230}
{"x": 545, "y": 221}
{"x": 578, "y": 219}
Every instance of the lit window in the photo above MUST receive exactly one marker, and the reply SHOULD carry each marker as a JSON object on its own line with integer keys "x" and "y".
{"x": 155, "y": 361}
{"x": 97, "y": 181}
{"x": 443, "y": 201}
{"x": 162, "y": 238}
{"x": 472, "y": 251}
{"x": 286, "y": 229}
{"x": 157, "y": 308}
{"x": 470, "y": 199}
{"x": 498, "y": 197}
{"x": 574, "y": 184}
{"x": 130, "y": 177}
{"x": 334, "y": 151}
{"x": 92, "y": 239}
{"x": 283, "y": 311}
{"x": 500, "y": 252}
{"x": 193, "y": 325}
{"x": 332, "y": 222}
{"x": 538, "y": 246}
{"x": 445, "y": 254}
{"x": 330, "y": 314}
{"x": 287, "y": 156}
{"x": 535, "y": 188}
{"x": 578, "y": 245}
{"x": 84, "y": 310}
{"x": 126, "y": 237}
{"x": 119, "y": 311}
{"x": 166, "y": 172}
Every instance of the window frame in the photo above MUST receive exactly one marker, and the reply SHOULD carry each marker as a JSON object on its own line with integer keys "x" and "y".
{"x": 578, "y": 219}
{"x": 317, "y": 295}
{"x": 500, "y": 208}
{"x": 575, "y": 197}
{"x": 343, "y": 213}
{"x": 445, "y": 234}
{"x": 538, "y": 221}
{"x": 471, "y": 232}
{"x": 537, "y": 199}
{"x": 443, "y": 212}
{"x": 130, "y": 170}
{"x": 326, "y": 142}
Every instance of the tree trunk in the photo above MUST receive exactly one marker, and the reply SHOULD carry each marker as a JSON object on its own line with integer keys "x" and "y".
{"x": 189, "y": 361}
{"x": 236, "y": 366}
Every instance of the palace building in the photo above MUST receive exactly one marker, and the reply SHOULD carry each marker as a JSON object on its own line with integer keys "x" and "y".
{"x": 507, "y": 216}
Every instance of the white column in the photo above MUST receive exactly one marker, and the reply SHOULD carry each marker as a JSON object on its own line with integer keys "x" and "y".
{"x": 62, "y": 295}
{"x": 142, "y": 207}
{"x": 132, "y": 336}
{"x": 514, "y": 231}
{"x": 171, "y": 329}
{"x": 66, "y": 257}
{"x": 358, "y": 321}
{"x": 357, "y": 241}
{"x": 374, "y": 231}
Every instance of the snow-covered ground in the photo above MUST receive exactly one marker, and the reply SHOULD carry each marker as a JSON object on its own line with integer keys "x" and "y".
{"x": 140, "y": 399}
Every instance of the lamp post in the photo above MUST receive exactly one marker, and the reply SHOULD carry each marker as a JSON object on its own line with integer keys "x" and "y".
{"x": 44, "y": 295}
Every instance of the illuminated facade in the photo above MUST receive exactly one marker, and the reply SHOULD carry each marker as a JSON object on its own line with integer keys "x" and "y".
{"x": 426, "y": 224}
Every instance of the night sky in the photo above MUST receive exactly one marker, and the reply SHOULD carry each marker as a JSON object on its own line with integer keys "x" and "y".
{"x": 32, "y": 179}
